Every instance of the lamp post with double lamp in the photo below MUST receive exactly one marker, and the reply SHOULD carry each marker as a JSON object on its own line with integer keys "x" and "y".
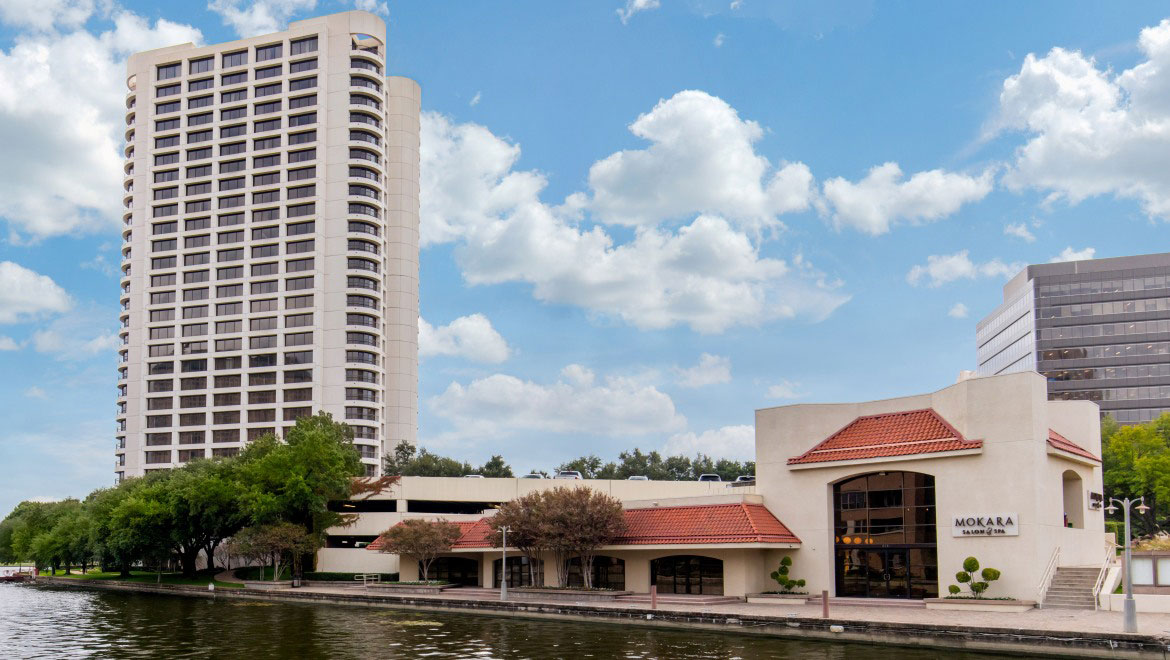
{"x": 504, "y": 563}
{"x": 1130, "y": 609}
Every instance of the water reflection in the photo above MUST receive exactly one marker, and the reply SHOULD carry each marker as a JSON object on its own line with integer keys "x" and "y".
{"x": 47, "y": 622}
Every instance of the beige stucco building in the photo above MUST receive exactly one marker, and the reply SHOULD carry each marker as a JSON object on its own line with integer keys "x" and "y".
{"x": 883, "y": 499}
{"x": 270, "y": 244}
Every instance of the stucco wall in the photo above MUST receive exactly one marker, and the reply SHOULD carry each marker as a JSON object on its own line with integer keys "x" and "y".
{"x": 1014, "y": 473}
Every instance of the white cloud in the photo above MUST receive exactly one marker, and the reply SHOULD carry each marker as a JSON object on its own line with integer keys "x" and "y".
{"x": 62, "y": 119}
{"x": 959, "y": 311}
{"x": 701, "y": 159}
{"x": 471, "y": 337}
{"x": 944, "y": 268}
{"x": 736, "y": 4}
{"x": 372, "y": 6}
{"x": 706, "y": 274}
{"x": 43, "y": 15}
{"x": 78, "y": 335}
{"x": 25, "y": 294}
{"x": 35, "y": 392}
{"x": 8, "y": 344}
{"x": 475, "y": 99}
{"x": 734, "y": 442}
{"x": 719, "y": 39}
{"x": 1069, "y": 254}
{"x": 785, "y": 389}
{"x": 257, "y": 17}
{"x": 1091, "y": 131}
{"x": 635, "y": 6}
{"x": 711, "y": 370}
{"x": 883, "y": 198}
{"x": 1019, "y": 230}
{"x": 501, "y": 404}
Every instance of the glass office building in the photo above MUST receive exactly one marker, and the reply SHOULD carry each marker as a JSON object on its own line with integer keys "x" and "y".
{"x": 1098, "y": 330}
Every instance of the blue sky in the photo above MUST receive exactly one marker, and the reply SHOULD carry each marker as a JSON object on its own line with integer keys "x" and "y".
{"x": 642, "y": 220}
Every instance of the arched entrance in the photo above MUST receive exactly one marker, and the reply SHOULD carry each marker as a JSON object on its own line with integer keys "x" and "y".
{"x": 687, "y": 574}
{"x": 1074, "y": 503}
{"x": 608, "y": 573}
{"x": 884, "y": 536}
{"x": 456, "y": 570}
{"x": 520, "y": 572}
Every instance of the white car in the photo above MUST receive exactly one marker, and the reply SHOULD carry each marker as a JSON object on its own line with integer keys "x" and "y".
{"x": 745, "y": 478}
{"x": 638, "y": 477}
{"x": 532, "y": 476}
{"x": 473, "y": 476}
{"x": 709, "y": 477}
{"x": 568, "y": 474}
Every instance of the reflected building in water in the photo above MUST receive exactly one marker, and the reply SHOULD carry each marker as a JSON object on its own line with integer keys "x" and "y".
{"x": 1098, "y": 330}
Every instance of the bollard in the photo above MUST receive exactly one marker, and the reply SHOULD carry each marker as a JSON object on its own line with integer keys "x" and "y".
{"x": 825, "y": 604}
{"x": 653, "y": 596}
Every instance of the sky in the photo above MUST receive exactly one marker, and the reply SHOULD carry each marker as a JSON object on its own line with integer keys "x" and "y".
{"x": 641, "y": 220}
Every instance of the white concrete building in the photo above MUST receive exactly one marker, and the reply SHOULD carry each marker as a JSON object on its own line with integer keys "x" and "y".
{"x": 882, "y": 499}
{"x": 270, "y": 255}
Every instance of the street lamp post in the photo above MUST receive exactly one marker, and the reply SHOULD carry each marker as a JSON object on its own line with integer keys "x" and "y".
{"x": 1130, "y": 608}
{"x": 504, "y": 564}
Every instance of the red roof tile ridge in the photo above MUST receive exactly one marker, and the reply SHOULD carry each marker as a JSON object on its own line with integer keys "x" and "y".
{"x": 682, "y": 506}
{"x": 1062, "y": 443}
{"x": 751, "y": 521}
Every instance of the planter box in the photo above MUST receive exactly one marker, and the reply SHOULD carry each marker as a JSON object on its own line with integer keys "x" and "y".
{"x": 571, "y": 595}
{"x": 268, "y": 585}
{"x": 411, "y": 588}
{"x": 979, "y": 604}
{"x": 778, "y": 599}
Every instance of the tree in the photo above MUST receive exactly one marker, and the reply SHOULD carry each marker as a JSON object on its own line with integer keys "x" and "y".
{"x": 1136, "y": 463}
{"x": 277, "y": 543}
{"x": 587, "y": 520}
{"x": 496, "y": 467}
{"x": 780, "y": 575}
{"x": 422, "y": 539}
{"x": 294, "y": 481}
{"x": 410, "y": 461}
{"x": 203, "y": 508}
{"x": 967, "y": 577}
{"x": 524, "y": 519}
{"x": 588, "y": 466}
{"x": 567, "y": 522}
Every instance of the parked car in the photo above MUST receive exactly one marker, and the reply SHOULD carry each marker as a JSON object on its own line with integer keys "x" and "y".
{"x": 568, "y": 474}
{"x": 745, "y": 478}
{"x": 532, "y": 476}
{"x": 473, "y": 476}
{"x": 709, "y": 477}
{"x": 638, "y": 477}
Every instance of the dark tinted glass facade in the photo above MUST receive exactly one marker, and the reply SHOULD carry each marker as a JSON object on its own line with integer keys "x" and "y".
{"x": 1101, "y": 332}
{"x": 884, "y": 536}
{"x": 688, "y": 574}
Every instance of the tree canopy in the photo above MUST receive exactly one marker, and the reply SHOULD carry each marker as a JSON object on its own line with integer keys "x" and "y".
{"x": 657, "y": 467}
{"x": 173, "y": 515}
{"x": 1136, "y": 463}
{"x": 423, "y": 540}
{"x": 409, "y": 461}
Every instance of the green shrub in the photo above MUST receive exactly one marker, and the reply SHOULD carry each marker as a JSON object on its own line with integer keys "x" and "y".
{"x": 780, "y": 575}
{"x": 967, "y": 577}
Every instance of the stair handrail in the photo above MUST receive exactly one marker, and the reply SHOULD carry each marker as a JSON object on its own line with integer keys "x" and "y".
{"x": 1046, "y": 577}
{"x": 1110, "y": 557}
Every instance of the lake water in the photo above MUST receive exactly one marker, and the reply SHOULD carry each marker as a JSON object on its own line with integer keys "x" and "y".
{"x": 53, "y": 622}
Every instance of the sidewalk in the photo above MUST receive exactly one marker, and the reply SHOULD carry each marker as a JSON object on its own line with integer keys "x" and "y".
{"x": 1053, "y": 620}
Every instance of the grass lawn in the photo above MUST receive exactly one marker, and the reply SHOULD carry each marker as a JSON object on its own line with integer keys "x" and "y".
{"x": 147, "y": 577}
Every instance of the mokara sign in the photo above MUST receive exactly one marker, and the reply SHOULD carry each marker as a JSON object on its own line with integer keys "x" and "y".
{"x": 992, "y": 524}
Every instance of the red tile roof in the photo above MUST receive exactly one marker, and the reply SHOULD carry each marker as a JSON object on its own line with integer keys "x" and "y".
{"x": 698, "y": 524}
{"x": 704, "y": 523}
{"x": 1062, "y": 443}
{"x": 886, "y": 435}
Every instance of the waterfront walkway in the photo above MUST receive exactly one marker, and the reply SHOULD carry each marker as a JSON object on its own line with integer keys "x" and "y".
{"x": 1052, "y": 620}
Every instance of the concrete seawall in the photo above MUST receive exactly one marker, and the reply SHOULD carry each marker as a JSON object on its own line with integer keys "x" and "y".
{"x": 1028, "y": 642}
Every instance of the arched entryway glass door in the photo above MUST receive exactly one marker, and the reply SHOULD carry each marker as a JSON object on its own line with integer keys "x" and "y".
{"x": 884, "y": 536}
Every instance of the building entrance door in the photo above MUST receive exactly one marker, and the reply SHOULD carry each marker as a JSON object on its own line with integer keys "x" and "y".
{"x": 887, "y": 574}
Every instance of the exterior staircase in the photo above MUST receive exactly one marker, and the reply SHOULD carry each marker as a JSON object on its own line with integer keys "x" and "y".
{"x": 1072, "y": 588}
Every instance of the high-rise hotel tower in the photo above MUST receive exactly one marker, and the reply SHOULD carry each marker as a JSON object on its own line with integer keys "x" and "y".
{"x": 270, "y": 254}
